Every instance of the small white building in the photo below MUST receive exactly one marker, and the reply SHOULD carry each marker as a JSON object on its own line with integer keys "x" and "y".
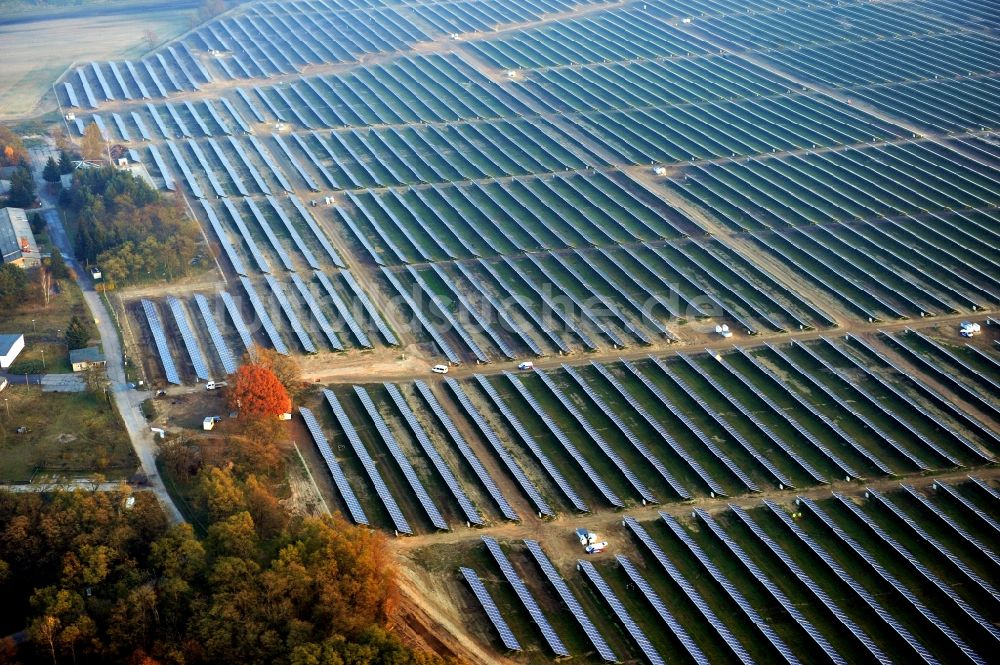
{"x": 10, "y": 346}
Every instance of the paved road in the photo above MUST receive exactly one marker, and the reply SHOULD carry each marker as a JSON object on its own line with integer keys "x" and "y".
{"x": 126, "y": 399}
{"x": 72, "y": 486}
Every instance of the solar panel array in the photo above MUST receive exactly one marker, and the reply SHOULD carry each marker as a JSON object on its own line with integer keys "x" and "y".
{"x": 605, "y": 591}
{"x": 453, "y": 323}
{"x": 370, "y": 309}
{"x": 964, "y": 385}
{"x": 845, "y": 577}
{"x": 344, "y": 311}
{"x": 566, "y": 442}
{"x": 433, "y": 513}
{"x": 321, "y": 238}
{"x": 929, "y": 576}
{"x": 806, "y": 434}
{"x": 480, "y": 320}
{"x": 871, "y": 399}
{"x": 736, "y": 436}
{"x": 471, "y": 513}
{"x": 596, "y": 437}
{"x": 679, "y": 414}
{"x": 425, "y": 323}
{"x": 524, "y": 595}
{"x": 581, "y": 616}
{"x": 264, "y": 317}
{"x": 339, "y": 479}
{"x": 293, "y": 233}
{"x": 941, "y": 401}
{"x": 254, "y": 173}
{"x": 206, "y": 168}
{"x": 737, "y": 597}
{"x": 160, "y": 339}
{"x": 968, "y": 505}
{"x": 189, "y": 339}
{"x": 168, "y": 180}
{"x": 218, "y": 341}
{"x": 773, "y": 589}
{"x": 237, "y": 318}
{"x": 241, "y": 188}
{"x": 856, "y": 413}
{"x": 317, "y": 312}
{"x": 902, "y": 589}
{"x": 529, "y": 488}
{"x": 533, "y": 446}
{"x": 290, "y": 314}
{"x": 935, "y": 543}
{"x": 502, "y": 313}
{"x": 812, "y": 409}
{"x": 675, "y": 626}
{"x": 678, "y": 450}
{"x": 637, "y": 443}
{"x": 689, "y": 591}
{"x": 258, "y": 256}
{"x": 794, "y": 568}
{"x": 224, "y": 242}
{"x": 466, "y": 451}
{"x": 490, "y": 607}
{"x": 953, "y": 525}
{"x": 395, "y": 514}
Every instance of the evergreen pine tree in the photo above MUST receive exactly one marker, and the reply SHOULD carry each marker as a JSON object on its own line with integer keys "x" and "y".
{"x": 51, "y": 171}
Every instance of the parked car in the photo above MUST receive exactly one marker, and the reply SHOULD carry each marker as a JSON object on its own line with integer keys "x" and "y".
{"x": 212, "y": 385}
{"x": 440, "y": 369}
{"x": 527, "y": 364}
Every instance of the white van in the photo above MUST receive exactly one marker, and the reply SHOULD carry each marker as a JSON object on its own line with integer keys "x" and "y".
{"x": 440, "y": 369}
{"x": 212, "y": 385}
{"x": 527, "y": 364}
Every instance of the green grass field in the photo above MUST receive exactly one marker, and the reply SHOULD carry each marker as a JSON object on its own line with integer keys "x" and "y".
{"x": 69, "y": 434}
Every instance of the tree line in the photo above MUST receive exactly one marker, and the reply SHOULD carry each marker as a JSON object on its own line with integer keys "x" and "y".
{"x": 128, "y": 228}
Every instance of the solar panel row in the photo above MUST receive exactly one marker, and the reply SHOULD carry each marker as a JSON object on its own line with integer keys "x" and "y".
{"x": 581, "y": 616}
{"x": 490, "y": 607}
{"x": 466, "y": 451}
{"x": 529, "y": 488}
{"x": 395, "y": 514}
{"x": 221, "y": 347}
{"x": 160, "y": 339}
{"x": 433, "y": 512}
{"x": 605, "y": 591}
{"x": 524, "y": 595}
{"x": 567, "y": 444}
{"x": 339, "y": 479}
{"x": 189, "y": 338}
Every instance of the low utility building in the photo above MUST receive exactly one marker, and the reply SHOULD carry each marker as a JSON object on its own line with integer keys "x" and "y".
{"x": 17, "y": 242}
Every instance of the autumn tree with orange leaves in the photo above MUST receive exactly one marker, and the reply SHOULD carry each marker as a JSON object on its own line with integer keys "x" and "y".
{"x": 256, "y": 392}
